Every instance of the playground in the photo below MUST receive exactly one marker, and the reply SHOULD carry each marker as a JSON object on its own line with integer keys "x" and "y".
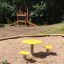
{"x": 31, "y": 32}
{"x": 9, "y": 48}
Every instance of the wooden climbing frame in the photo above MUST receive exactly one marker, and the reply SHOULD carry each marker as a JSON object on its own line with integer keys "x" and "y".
{"x": 25, "y": 20}
{"x": 21, "y": 21}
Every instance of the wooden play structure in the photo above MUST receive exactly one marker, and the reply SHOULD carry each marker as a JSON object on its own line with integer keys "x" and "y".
{"x": 26, "y": 20}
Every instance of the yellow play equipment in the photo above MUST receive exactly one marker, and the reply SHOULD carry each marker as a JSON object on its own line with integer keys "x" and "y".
{"x": 48, "y": 48}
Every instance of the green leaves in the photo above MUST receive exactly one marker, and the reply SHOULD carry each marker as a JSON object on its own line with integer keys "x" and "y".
{"x": 4, "y": 62}
{"x": 38, "y": 9}
{"x": 6, "y": 11}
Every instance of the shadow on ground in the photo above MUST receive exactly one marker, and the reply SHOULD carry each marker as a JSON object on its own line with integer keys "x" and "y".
{"x": 44, "y": 54}
{"x": 1, "y": 25}
{"x": 31, "y": 60}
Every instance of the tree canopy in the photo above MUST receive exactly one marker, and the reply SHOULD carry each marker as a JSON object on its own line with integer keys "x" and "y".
{"x": 49, "y": 10}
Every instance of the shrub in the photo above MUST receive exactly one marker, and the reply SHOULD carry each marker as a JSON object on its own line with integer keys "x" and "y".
{"x": 5, "y": 62}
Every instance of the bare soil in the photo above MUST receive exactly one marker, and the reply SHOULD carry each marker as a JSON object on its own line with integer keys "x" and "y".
{"x": 9, "y": 31}
{"x": 9, "y": 48}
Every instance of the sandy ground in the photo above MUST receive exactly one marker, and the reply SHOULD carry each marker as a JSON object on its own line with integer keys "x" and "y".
{"x": 9, "y": 50}
{"x": 9, "y": 31}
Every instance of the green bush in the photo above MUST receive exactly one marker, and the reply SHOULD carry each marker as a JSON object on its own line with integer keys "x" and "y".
{"x": 7, "y": 12}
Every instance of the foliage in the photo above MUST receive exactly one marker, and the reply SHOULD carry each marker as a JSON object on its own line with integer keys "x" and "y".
{"x": 51, "y": 11}
{"x": 55, "y": 11}
{"x": 38, "y": 9}
{"x": 7, "y": 11}
{"x": 5, "y": 62}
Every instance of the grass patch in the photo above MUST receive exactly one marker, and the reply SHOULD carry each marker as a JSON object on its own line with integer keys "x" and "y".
{"x": 53, "y": 29}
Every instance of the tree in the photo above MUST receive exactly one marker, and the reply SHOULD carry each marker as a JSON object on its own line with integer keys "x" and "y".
{"x": 49, "y": 10}
{"x": 7, "y": 11}
{"x": 55, "y": 11}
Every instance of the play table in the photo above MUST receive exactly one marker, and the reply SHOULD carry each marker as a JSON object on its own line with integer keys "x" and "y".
{"x": 32, "y": 42}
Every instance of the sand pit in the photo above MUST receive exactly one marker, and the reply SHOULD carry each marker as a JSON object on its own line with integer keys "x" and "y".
{"x": 9, "y": 50}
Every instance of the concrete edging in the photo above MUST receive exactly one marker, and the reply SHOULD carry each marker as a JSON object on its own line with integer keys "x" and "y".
{"x": 20, "y": 36}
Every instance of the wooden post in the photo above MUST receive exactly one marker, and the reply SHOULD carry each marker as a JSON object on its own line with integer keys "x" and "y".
{"x": 27, "y": 14}
{"x": 17, "y": 19}
{"x": 32, "y": 48}
{"x": 26, "y": 17}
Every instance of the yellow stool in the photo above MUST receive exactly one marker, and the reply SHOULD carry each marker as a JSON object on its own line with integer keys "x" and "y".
{"x": 24, "y": 53}
{"x": 48, "y": 48}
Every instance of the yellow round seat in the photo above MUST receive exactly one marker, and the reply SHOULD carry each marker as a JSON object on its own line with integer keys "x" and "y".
{"x": 24, "y": 52}
{"x": 48, "y": 46}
